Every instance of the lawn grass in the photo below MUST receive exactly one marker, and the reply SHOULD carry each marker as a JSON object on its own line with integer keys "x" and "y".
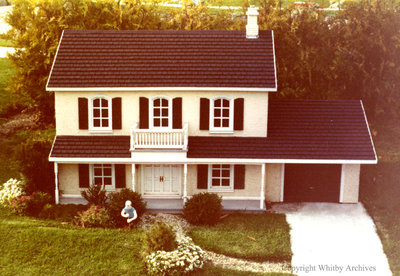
{"x": 46, "y": 247}
{"x": 6, "y": 43}
{"x": 6, "y": 71}
{"x": 231, "y": 237}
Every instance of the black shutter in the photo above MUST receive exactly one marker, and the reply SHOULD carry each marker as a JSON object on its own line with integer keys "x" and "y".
{"x": 83, "y": 113}
{"x": 83, "y": 175}
{"x": 143, "y": 113}
{"x": 117, "y": 113}
{"x": 202, "y": 176}
{"x": 204, "y": 114}
{"x": 238, "y": 114}
{"x": 177, "y": 113}
{"x": 120, "y": 177}
{"x": 239, "y": 176}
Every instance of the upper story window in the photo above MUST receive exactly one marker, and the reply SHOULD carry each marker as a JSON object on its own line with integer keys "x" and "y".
{"x": 100, "y": 114}
{"x": 161, "y": 112}
{"x": 221, "y": 115}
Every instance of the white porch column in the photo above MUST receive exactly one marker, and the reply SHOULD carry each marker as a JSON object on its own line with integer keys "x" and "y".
{"x": 133, "y": 177}
{"x": 262, "y": 196}
{"x": 184, "y": 182}
{"x": 57, "y": 196}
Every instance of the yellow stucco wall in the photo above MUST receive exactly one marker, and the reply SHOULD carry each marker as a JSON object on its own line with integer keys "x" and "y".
{"x": 273, "y": 182}
{"x": 255, "y": 110}
{"x": 350, "y": 181}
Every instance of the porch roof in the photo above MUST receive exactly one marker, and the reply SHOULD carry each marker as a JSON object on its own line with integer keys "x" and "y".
{"x": 297, "y": 130}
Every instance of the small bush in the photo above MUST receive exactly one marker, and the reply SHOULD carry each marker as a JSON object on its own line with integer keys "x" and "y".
{"x": 12, "y": 189}
{"x": 62, "y": 212}
{"x": 30, "y": 205}
{"x": 159, "y": 237}
{"x": 117, "y": 203}
{"x": 203, "y": 209}
{"x": 95, "y": 216}
{"x": 185, "y": 259}
{"x": 95, "y": 195}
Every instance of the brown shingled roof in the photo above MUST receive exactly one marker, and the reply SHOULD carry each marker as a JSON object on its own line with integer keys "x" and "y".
{"x": 98, "y": 58}
{"x": 297, "y": 129}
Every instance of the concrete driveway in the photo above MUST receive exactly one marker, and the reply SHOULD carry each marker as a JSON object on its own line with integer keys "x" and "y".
{"x": 334, "y": 239}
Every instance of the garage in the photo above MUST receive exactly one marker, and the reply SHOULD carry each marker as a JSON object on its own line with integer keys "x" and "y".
{"x": 312, "y": 182}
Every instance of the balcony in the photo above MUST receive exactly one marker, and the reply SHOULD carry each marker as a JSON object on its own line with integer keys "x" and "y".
{"x": 159, "y": 138}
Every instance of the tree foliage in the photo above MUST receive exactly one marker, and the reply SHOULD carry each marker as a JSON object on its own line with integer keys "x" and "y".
{"x": 353, "y": 54}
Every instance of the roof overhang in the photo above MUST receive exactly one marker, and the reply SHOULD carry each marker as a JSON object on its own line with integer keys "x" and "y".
{"x": 70, "y": 160}
{"x": 136, "y": 89}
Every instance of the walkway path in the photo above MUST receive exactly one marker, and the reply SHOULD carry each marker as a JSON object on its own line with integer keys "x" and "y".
{"x": 334, "y": 239}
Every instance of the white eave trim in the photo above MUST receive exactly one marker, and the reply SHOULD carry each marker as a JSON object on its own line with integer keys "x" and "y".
{"x": 70, "y": 160}
{"x": 54, "y": 60}
{"x": 369, "y": 131}
{"x": 273, "y": 51}
{"x": 130, "y": 89}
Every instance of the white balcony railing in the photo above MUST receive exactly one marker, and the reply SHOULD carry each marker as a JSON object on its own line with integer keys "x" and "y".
{"x": 159, "y": 138}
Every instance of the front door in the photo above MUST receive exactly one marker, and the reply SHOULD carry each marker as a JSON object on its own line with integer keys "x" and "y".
{"x": 161, "y": 180}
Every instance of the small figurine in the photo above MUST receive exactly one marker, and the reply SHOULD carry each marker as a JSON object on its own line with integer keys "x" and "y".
{"x": 129, "y": 212}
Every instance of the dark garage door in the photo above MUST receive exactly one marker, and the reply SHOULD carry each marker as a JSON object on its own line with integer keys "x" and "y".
{"x": 312, "y": 183}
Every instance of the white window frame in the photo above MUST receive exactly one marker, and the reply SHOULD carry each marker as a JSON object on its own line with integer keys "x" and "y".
{"x": 151, "y": 113}
{"x": 229, "y": 188}
{"x": 108, "y": 187}
{"x": 94, "y": 129}
{"x": 221, "y": 129}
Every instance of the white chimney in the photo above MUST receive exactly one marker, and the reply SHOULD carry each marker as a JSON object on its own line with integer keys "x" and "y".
{"x": 252, "y": 26}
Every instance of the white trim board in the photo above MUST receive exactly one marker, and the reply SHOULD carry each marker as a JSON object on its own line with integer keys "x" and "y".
{"x": 67, "y": 160}
{"x": 130, "y": 89}
{"x": 54, "y": 60}
{"x": 369, "y": 131}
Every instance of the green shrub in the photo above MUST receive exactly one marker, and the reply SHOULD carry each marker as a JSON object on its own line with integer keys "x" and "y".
{"x": 12, "y": 189}
{"x": 117, "y": 203}
{"x": 62, "y": 212}
{"x": 95, "y": 216}
{"x": 34, "y": 165}
{"x": 203, "y": 209}
{"x": 31, "y": 205}
{"x": 159, "y": 237}
{"x": 95, "y": 195}
{"x": 182, "y": 261}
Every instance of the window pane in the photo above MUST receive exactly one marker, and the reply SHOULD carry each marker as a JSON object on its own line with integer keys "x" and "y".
{"x": 104, "y": 113}
{"x": 225, "y": 173}
{"x": 156, "y": 112}
{"x": 225, "y": 182}
{"x": 104, "y": 103}
{"x": 225, "y": 113}
{"x": 165, "y": 112}
{"x": 105, "y": 122}
{"x": 107, "y": 181}
{"x": 216, "y": 166}
{"x": 96, "y": 122}
{"x": 96, "y": 103}
{"x": 107, "y": 171}
{"x": 97, "y": 171}
{"x": 217, "y": 123}
{"x": 226, "y": 166}
{"x": 215, "y": 173}
{"x": 225, "y": 103}
{"x": 157, "y": 102}
{"x": 97, "y": 180}
{"x": 164, "y": 122}
{"x": 217, "y": 112}
{"x": 156, "y": 122}
{"x": 217, "y": 103}
{"x": 96, "y": 112}
{"x": 215, "y": 182}
{"x": 164, "y": 102}
{"x": 225, "y": 123}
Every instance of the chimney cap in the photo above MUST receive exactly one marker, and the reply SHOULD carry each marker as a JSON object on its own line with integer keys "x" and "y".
{"x": 252, "y": 10}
